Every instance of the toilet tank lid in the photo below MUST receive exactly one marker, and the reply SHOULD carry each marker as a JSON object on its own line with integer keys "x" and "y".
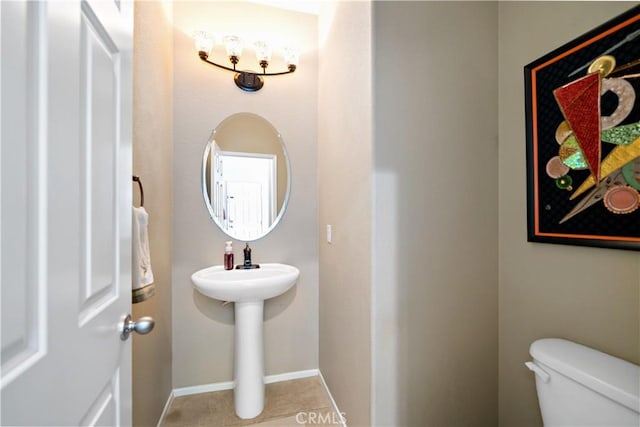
{"x": 608, "y": 375}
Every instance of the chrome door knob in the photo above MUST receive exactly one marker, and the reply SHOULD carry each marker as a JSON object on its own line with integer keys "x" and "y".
{"x": 142, "y": 326}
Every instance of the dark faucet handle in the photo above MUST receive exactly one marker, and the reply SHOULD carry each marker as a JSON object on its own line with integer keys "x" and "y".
{"x": 247, "y": 255}
{"x": 247, "y": 260}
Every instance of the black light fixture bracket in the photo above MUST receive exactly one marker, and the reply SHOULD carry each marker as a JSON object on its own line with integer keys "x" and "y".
{"x": 249, "y": 81}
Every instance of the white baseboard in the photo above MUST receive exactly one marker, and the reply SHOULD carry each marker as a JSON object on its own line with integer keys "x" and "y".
{"x": 228, "y": 385}
{"x": 343, "y": 421}
{"x": 291, "y": 376}
{"x": 203, "y": 388}
{"x": 166, "y": 409}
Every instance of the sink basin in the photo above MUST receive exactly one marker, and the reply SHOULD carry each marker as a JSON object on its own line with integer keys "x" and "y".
{"x": 247, "y": 289}
{"x": 268, "y": 281}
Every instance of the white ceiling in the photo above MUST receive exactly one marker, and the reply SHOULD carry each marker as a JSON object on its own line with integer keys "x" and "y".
{"x": 306, "y": 6}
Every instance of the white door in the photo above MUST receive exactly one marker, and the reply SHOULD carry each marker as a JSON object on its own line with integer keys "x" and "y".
{"x": 248, "y": 185}
{"x": 66, "y": 212}
{"x": 244, "y": 205}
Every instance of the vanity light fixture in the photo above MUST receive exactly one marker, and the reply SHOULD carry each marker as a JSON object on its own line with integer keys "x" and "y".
{"x": 249, "y": 81}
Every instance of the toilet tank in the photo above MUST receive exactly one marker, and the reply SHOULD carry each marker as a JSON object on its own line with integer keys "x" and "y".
{"x": 580, "y": 386}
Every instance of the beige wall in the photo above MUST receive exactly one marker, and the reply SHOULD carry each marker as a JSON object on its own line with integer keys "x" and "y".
{"x": 345, "y": 182}
{"x": 435, "y": 214}
{"x": 588, "y": 295}
{"x": 203, "y": 97}
{"x": 152, "y": 161}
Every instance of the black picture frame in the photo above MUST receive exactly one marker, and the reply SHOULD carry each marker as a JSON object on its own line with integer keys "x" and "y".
{"x": 564, "y": 208}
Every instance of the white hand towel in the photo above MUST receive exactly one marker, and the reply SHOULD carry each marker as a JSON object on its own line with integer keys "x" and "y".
{"x": 141, "y": 274}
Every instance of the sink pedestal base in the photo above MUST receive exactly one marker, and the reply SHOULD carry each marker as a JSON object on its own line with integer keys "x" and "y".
{"x": 248, "y": 394}
{"x": 247, "y": 289}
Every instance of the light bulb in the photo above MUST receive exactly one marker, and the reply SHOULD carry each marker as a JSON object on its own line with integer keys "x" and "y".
{"x": 291, "y": 57}
{"x": 204, "y": 42}
{"x": 263, "y": 51}
{"x": 233, "y": 44}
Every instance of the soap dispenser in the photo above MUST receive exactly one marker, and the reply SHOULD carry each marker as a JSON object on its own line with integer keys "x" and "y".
{"x": 228, "y": 256}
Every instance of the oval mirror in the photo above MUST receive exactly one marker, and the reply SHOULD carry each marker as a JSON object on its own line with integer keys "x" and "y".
{"x": 245, "y": 176}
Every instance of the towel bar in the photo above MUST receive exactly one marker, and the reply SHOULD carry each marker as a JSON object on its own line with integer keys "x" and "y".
{"x": 137, "y": 179}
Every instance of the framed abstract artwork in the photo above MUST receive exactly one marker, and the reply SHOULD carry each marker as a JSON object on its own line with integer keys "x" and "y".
{"x": 582, "y": 106}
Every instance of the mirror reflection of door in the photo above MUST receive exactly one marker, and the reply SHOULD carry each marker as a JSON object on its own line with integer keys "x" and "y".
{"x": 244, "y": 191}
{"x": 248, "y": 203}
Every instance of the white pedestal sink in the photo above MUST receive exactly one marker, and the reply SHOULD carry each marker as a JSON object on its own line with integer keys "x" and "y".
{"x": 247, "y": 289}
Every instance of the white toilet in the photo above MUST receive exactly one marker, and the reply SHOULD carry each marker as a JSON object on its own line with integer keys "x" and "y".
{"x": 580, "y": 386}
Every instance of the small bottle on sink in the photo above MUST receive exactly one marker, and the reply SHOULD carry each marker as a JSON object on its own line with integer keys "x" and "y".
{"x": 228, "y": 256}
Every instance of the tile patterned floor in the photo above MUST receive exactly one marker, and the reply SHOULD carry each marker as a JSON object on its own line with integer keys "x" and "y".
{"x": 292, "y": 403}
